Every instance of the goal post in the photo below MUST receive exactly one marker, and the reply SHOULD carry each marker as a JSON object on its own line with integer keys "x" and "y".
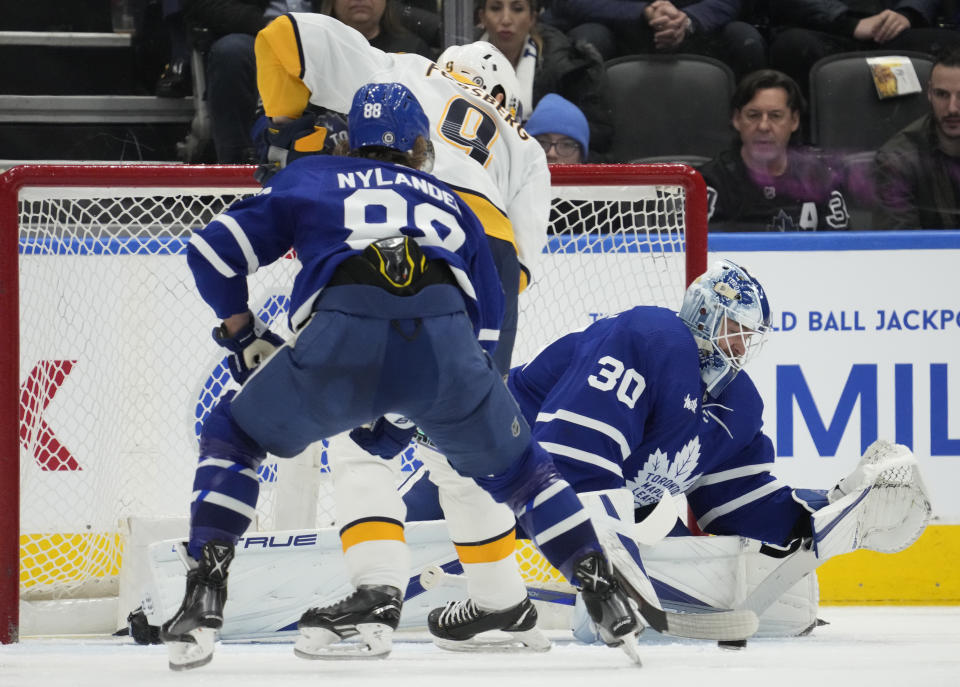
{"x": 109, "y": 372}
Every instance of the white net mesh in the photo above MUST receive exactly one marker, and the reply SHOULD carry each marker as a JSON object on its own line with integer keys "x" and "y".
{"x": 116, "y": 373}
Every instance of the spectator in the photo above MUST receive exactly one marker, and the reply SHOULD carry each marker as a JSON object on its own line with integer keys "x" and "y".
{"x": 231, "y": 92}
{"x": 918, "y": 169}
{"x": 231, "y": 65}
{"x": 561, "y": 129}
{"x": 546, "y": 61}
{"x": 815, "y": 29}
{"x": 375, "y": 20}
{"x": 763, "y": 183}
{"x": 702, "y": 27}
{"x": 175, "y": 80}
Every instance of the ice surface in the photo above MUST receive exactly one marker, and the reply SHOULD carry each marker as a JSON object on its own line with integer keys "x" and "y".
{"x": 861, "y": 646}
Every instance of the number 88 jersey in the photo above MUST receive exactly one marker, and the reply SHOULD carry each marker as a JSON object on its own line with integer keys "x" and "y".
{"x": 482, "y": 152}
{"x": 328, "y": 208}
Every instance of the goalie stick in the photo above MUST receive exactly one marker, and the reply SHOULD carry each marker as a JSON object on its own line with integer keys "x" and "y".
{"x": 727, "y": 625}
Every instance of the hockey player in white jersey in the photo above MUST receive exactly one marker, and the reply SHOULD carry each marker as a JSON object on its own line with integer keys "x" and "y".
{"x": 649, "y": 401}
{"x": 396, "y": 286}
{"x": 482, "y": 152}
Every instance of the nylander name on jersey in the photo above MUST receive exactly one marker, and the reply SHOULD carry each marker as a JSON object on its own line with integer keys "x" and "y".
{"x": 329, "y": 208}
{"x": 377, "y": 177}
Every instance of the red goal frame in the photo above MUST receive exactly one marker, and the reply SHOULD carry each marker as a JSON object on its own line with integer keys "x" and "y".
{"x": 12, "y": 181}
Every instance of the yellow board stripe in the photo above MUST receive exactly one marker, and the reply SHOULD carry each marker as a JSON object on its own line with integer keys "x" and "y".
{"x": 926, "y": 574}
{"x": 48, "y": 559}
{"x": 370, "y": 530}
{"x": 489, "y": 551}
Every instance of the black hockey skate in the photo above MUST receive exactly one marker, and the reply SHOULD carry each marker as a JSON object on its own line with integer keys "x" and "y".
{"x": 191, "y": 632}
{"x": 607, "y": 603}
{"x": 455, "y": 627}
{"x": 372, "y": 613}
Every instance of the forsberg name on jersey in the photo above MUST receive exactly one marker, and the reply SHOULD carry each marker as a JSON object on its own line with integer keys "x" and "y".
{"x": 380, "y": 177}
{"x": 434, "y": 69}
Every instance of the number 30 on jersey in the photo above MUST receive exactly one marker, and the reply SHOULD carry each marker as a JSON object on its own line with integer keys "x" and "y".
{"x": 614, "y": 375}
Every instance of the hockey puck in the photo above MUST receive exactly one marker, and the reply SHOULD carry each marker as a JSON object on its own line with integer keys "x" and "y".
{"x": 733, "y": 644}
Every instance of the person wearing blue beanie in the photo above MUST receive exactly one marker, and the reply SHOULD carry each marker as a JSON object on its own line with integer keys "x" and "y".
{"x": 561, "y": 129}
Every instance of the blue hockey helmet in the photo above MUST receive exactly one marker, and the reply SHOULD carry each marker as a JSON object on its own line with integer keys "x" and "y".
{"x": 386, "y": 115}
{"x": 727, "y": 311}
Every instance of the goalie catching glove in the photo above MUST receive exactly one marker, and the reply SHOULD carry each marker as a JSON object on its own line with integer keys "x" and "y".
{"x": 881, "y": 506}
{"x": 249, "y": 347}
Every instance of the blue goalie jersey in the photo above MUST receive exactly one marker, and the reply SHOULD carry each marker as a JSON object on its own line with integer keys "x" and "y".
{"x": 738, "y": 494}
{"x": 330, "y": 208}
{"x": 618, "y": 404}
{"x": 621, "y": 404}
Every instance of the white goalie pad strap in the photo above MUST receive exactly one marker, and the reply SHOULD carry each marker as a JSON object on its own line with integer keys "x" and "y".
{"x": 882, "y": 505}
{"x": 471, "y": 513}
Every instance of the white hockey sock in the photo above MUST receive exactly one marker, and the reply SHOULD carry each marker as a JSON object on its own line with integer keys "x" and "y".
{"x": 495, "y": 586}
{"x": 379, "y": 562}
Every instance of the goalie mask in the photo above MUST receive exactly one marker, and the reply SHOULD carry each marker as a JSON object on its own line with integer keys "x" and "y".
{"x": 727, "y": 311}
{"x": 487, "y": 67}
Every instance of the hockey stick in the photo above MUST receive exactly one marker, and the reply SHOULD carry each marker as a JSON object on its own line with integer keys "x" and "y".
{"x": 721, "y": 624}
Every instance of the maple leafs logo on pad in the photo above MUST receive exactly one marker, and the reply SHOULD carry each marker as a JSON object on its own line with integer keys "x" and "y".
{"x": 659, "y": 473}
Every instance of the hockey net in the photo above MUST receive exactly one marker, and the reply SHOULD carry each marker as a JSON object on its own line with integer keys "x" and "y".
{"x": 116, "y": 371}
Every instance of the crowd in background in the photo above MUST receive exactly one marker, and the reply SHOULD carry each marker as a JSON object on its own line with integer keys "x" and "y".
{"x": 768, "y": 178}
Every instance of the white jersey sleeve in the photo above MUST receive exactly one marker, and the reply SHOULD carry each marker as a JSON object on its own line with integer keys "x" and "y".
{"x": 481, "y": 150}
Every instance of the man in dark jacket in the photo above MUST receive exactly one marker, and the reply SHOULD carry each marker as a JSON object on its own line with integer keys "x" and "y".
{"x": 813, "y": 29}
{"x": 703, "y": 27}
{"x": 918, "y": 170}
{"x": 764, "y": 184}
{"x": 575, "y": 71}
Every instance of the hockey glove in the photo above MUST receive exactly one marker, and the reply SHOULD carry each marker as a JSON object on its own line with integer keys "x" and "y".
{"x": 386, "y": 437}
{"x": 882, "y": 505}
{"x": 312, "y": 134}
{"x": 248, "y": 347}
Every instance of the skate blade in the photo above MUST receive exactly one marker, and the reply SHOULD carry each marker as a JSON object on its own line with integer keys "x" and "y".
{"x": 189, "y": 655}
{"x": 629, "y": 646}
{"x": 375, "y": 640}
{"x": 506, "y": 643}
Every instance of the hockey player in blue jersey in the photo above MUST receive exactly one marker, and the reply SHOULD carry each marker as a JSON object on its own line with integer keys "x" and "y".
{"x": 396, "y": 287}
{"x": 656, "y": 401}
